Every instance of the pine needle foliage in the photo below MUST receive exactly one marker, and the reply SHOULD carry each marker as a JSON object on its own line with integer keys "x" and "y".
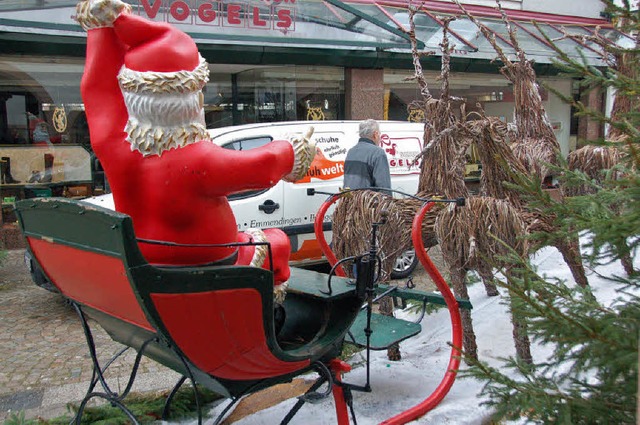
{"x": 590, "y": 377}
{"x": 589, "y": 373}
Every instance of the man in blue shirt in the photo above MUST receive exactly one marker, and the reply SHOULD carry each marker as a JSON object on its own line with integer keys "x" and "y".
{"x": 366, "y": 164}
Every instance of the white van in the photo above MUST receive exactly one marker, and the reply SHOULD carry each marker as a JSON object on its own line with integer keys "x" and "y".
{"x": 288, "y": 206}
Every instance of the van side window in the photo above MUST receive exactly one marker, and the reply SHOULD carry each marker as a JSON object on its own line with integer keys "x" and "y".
{"x": 244, "y": 145}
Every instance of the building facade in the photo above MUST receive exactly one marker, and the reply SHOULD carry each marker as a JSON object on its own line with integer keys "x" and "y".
{"x": 274, "y": 60}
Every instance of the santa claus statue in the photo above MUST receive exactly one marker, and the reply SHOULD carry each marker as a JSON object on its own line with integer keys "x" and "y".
{"x": 142, "y": 91}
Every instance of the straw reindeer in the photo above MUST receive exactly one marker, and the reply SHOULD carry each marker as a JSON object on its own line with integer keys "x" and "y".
{"x": 593, "y": 160}
{"x": 442, "y": 174}
{"x": 534, "y": 143}
{"x": 479, "y": 235}
{"x": 470, "y": 236}
{"x": 440, "y": 165}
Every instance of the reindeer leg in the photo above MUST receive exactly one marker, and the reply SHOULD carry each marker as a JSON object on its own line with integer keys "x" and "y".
{"x": 486, "y": 273}
{"x": 570, "y": 250}
{"x": 386, "y": 308}
{"x": 627, "y": 263}
{"x": 625, "y": 257}
{"x": 520, "y": 334}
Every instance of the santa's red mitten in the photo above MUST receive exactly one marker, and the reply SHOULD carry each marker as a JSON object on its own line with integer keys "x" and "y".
{"x": 304, "y": 151}
{"x": 92, "y": 14}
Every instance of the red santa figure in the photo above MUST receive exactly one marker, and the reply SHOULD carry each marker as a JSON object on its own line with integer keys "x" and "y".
{"x": 142, "y": 90}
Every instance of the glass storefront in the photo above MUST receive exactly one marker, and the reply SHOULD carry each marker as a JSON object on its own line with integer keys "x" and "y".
{"x": 270, "y": 94}
{"x": 41, "y": 102}
{"x": 41, "y": 110}
{"x": 44, "y": 137}
{"x": 289, "y": 93}
{"x": 493, "y": 92}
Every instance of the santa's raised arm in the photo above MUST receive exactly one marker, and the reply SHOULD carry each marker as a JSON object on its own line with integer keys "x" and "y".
{"x": 142, "y": 90}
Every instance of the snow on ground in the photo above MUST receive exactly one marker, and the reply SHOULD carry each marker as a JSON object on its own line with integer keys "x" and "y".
{"x": 400, "y": 385}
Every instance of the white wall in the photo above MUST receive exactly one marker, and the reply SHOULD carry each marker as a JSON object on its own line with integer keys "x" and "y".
{"x": 559, "y": 111}
{"x": 583, "y": 8}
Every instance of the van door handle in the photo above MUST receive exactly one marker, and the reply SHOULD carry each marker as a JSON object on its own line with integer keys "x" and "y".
{"x": 269, "y": 206}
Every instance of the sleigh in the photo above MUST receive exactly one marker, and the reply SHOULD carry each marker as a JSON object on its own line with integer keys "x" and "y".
{"x": 215, "y": 325}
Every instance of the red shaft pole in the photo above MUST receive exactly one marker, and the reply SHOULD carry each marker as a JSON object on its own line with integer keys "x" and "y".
{"x": 454, "y": 311}
{"x": 322, "y": 241}
{"x": 452, "y": 304}
{"x": 338, "y": 367}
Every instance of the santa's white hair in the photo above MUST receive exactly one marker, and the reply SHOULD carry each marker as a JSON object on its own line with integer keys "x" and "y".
{"x": 165, "y": 108}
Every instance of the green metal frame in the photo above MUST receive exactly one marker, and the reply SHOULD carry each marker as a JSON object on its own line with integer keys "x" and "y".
{"x": 421, "y": 296}
{"x": 38, "y": 44}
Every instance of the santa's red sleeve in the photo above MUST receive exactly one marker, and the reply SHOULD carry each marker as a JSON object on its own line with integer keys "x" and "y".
{"x": 104, "y": 106}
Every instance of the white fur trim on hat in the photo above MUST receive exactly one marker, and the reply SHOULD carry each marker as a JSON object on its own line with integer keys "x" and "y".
{"x": 165, "y": 82}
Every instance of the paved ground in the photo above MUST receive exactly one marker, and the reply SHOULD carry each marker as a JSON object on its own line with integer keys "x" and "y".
{"x": 44, "y": 362}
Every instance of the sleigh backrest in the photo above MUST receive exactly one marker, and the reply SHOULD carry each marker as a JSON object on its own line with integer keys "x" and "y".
{"x": 86, "y": 252}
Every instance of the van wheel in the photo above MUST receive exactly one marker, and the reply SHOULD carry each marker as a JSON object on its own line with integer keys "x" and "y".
{"x": 405, "y": 265}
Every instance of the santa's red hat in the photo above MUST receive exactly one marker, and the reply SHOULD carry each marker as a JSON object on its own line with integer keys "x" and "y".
{"x": 161, "y": 80}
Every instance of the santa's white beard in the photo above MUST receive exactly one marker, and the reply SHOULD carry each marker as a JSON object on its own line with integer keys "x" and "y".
{"x": 160, "y": 121}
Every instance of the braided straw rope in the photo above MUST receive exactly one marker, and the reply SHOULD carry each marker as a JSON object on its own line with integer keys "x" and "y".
{"x": 259, "y": 256}
{"x": 304, "y": 151}
{"x": 280, "y": 292}
{"x": 99, "y": 13}
{"x": 260, "y": 253}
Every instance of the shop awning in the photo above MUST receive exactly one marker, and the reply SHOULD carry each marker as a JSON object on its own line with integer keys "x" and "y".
{"x": 331, "y": 24}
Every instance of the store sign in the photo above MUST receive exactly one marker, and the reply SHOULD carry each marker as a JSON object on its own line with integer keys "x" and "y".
{"x": 402, "y": 153}
{"x": 257, "y": 14}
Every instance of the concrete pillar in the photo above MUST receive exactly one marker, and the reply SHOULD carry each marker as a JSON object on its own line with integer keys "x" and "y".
{"x": 364, "y": 93}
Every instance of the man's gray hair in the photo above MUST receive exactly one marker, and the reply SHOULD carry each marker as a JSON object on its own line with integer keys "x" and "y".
{"x": 368, "y": 127}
